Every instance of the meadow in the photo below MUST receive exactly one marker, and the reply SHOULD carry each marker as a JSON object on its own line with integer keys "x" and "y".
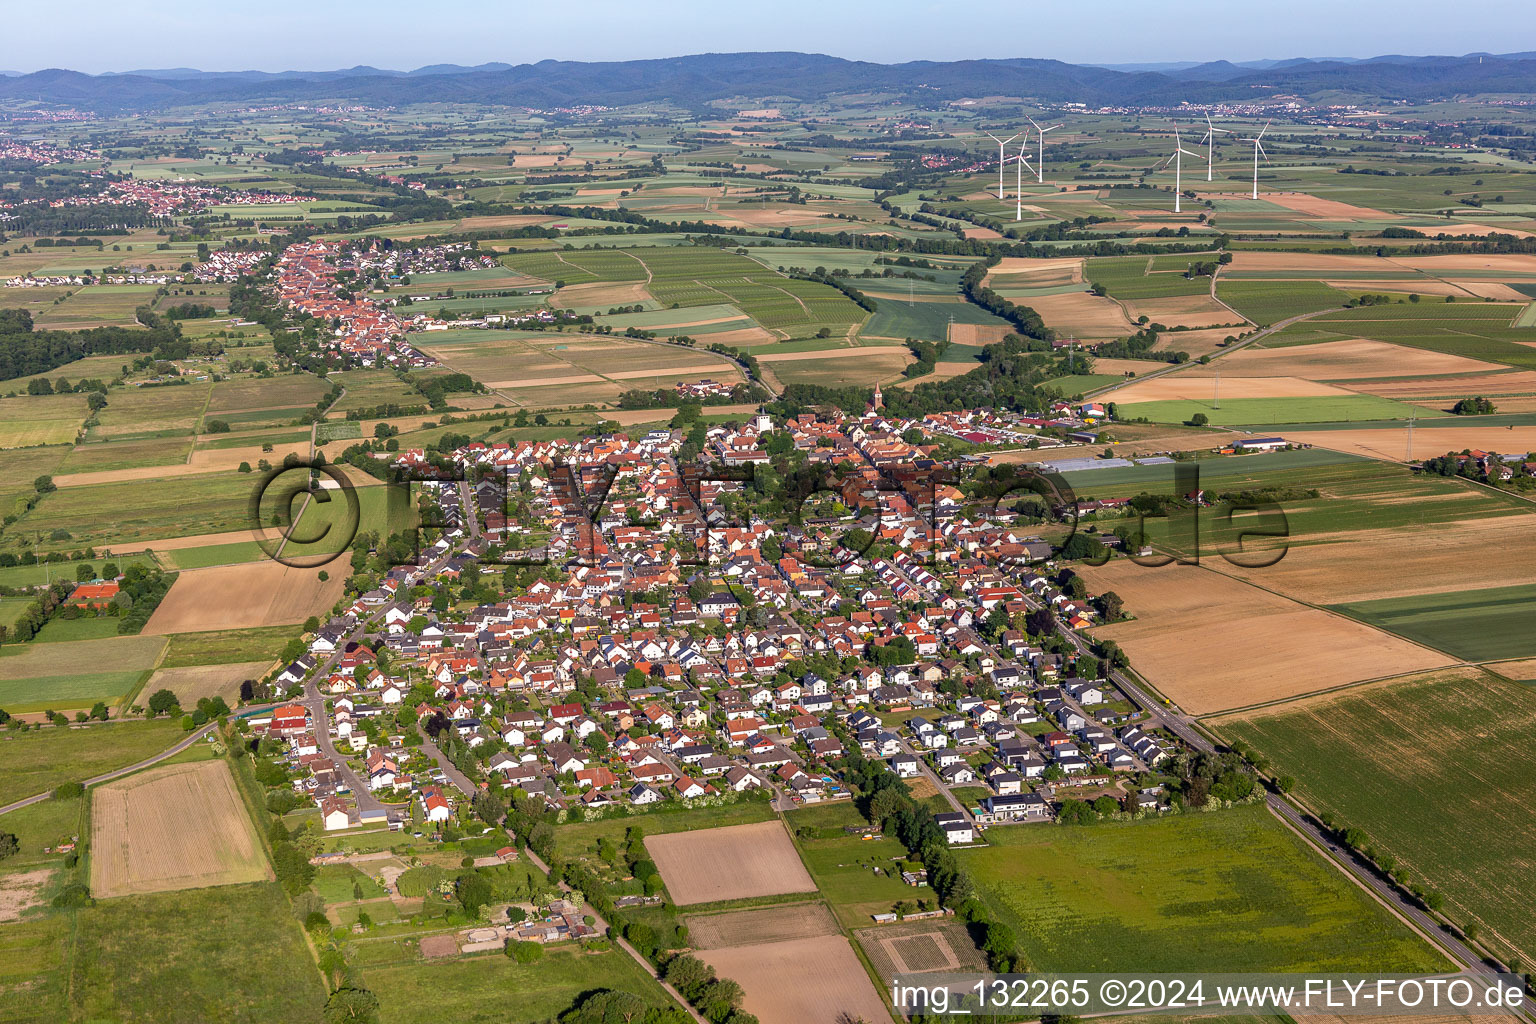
{"x": 480, "y": 989}
{"x": 1226, "y": 891}
{"x": 1436, "y": 772}
{"x": 75, "y": 674}
{"x": 30, "y": 420}
{"x": 39, "y": 760}
{"x": 231, "y": 954}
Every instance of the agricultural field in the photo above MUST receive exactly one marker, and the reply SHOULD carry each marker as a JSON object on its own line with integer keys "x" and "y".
{"x": 1207, "y": 662}
{"x": 1226, "y": 891}
{"x": 241, "y": 596}
{"x": 28, "y": 421}
{"x": 174, "y": 827}
{"x": 476, "y": 989}
{"x": 1266, "y": 302}
{"x": 921, "y": 947}
{"x": 1434, "y": 769}
{"x": 193, "y": 683}
{"x": 578, "y": 840}
{"x": 225, "y": 647}
{"x": 74, "y": 674}
{"x": 731, "y": 863}
{"x": 229, "y": 954}
{"x": 39, "y": 760}
{"x": 1474, "y": 625}
{"x": 830, "y": 981}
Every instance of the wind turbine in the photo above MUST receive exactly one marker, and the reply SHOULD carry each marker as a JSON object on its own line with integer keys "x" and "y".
{"x": 1176, "y": 158}
{"x": 1210, "y": 144}
{"x": 1258, "y": 151}
{"x": 1001, "y": 156}
{"x": 1040, "y": 165}
{"x": 1018, "y": 189}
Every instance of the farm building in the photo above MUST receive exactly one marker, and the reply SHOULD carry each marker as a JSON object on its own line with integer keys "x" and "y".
{"x": 1261, "y": 444}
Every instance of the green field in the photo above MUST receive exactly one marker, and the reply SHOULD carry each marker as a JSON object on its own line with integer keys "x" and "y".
{"x": 1128, "y": 277}
{"x": 29, "y": 420}
{"x": 494, "y": 989}
{"x": 1474, "y": 625}
{"x": 40, "y": 759}
{"x": 1226, "y": 891}
{"x": 1436, "y": 770}
{"x": 226, "y": 647}
{"x": 232, "y": 953}
{"x": 1260, "y": 411}
{"x": 843, "y": 866}
{"x": 135, "y": 510}
{"x": 927, "y": 321}
{"x": 75, "y": 673}
{"x": 1268, "y": 302}
{"x": 32, "y": 976}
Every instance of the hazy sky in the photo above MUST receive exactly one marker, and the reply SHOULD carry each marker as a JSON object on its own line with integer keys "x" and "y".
{"x": 274, "y": 35}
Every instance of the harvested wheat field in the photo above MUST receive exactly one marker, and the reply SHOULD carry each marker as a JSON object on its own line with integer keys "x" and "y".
{"x": 1212, "y": 643}
{"x": 671, "y": 373}
{"x": 1472, "y": 264}
{"x": 1196, "y": 343}
{"x": 1033, "y": 272}
{"x": 1355, "y": 359}
{"x": 979, "y": 335}
{"x": 1184, "y": 311}
{"x": 829, "y": 983}
{"x": 752, "y": 927}
{"x": 1392, "y": 442}
{"x": 1122, "y": 366}
{"x": 182, "y": 826}
{"x": 1485, "y": 229}
{"x": 1364, "y": 565}
{"x": 601, "y": 293}
{"x": 1082, "y": 315}
{"x": 729, "y": 863}
{"x": 745, "y": 336}
{"x": 1304, "y": 263}
{"x": 1514, "y": 382}
{"x": 1325, "y": 209}
{"x": 1188, "y": 387}
{"x": 192, "y": 684}
{"x": 1493, "y": 290}
{"x": 264, "y": 593}
{"x": 1421, "y": 286}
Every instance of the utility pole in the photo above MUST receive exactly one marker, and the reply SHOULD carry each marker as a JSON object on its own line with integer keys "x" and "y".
{"x": 1216, "y": 392}
{"x": 1410, "y": 440}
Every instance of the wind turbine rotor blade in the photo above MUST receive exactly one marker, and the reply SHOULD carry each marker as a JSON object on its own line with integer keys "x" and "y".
{"x": 1265, "y": 128}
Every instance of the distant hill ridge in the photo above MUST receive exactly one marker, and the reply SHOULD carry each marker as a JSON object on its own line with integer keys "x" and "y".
{"x": 695, "y": 80}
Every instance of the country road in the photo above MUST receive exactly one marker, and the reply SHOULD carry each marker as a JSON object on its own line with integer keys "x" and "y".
{"x": 117, "y": 773}
{"x": 1395, "y": 900}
